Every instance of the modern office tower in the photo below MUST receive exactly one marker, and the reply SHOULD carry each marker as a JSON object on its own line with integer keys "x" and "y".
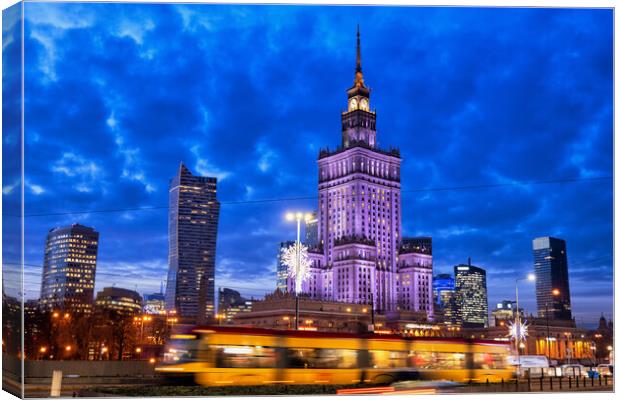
{"x": 443, "y": 297}
{"x": 69, "y": 267}
{"x": 192, "y": 233}
{"x": 119, "y": 301}
{"x": 231, "y": 303}
{"x": 312, "y": 231}
{"x": 442, "y": 283}
{"x": 551, "y": 268}
{"x": 155, "y": 303}
{"x": 505, "y": 311}
{"x": 282, "y": 269}
{"x": 471, "y": 296}
{"x": 422, "y": 244}
{"x": 414, "y": 279}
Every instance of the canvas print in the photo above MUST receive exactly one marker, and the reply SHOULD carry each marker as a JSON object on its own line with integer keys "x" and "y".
{"x": 234, "y": 199}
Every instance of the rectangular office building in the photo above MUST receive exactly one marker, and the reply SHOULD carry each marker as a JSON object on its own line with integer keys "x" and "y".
{"x": 472, "y": 309}
{"x": 551, "y": 267}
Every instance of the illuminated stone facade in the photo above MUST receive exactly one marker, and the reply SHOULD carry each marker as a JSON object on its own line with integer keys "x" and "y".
{"x": 357, "y": 257}
{"x": 69, "y": 269}
{"x": 560, "y": 340}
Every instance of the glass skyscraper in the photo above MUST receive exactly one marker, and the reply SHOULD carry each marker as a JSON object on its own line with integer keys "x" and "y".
{"x": 442, "y": 283}
{"x": 472, "y": 309}
{"x": 312, "y": 231}
{"x": 444, "y": 297}
{"x": 192, "y": 232}
{"x": 551, "y": 267}
{"x": 69, "y": 269}
{"x": 282, "y": 269}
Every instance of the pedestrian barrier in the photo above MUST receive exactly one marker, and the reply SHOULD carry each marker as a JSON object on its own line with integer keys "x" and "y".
{"x": 545, "y": 384}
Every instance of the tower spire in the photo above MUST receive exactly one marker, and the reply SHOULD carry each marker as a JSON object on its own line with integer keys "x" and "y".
{"x": 359, "y": 77}
{"x": 359, "y": 51}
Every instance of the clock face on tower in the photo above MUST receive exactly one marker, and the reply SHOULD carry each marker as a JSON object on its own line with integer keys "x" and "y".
{"x": 364, "y": 104}
{"x": 352, "y": 104}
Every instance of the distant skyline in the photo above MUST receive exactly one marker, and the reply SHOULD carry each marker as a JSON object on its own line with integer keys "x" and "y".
{"x": 118, "y": 94}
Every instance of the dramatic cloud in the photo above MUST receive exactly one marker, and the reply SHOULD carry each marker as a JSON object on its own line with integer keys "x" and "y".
{"x": 117, "y": 95}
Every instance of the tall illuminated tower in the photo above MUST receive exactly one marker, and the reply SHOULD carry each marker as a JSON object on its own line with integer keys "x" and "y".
{"x": 551, "y": 267}
{"x": 359, "y": 207}
{"x": 472, "y": 307}
{"x": 69, "y": 269}
{"x": 192, "y": 233}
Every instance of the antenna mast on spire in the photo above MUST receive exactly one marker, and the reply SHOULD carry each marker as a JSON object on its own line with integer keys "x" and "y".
{"x": 359, "y": 77}
{"x": 359, "y": 51}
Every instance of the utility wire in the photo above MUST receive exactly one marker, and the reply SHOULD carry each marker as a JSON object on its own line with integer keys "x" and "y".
{"x": 314, "y": 197}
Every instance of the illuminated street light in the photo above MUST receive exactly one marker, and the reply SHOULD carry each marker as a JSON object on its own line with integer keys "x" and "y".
{"x": 610, "y": 348}
{"x": 142, "y": 319}
{"x": 152, "y": 360}
{"x": 138, "y": 350}
{"x": 530, "y": 277}
{"x": 68, "y": 348}
{"x": 554, "y": 292}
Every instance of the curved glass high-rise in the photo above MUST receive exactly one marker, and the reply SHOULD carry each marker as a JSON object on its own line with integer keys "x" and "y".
{"x": 192, "y": 232}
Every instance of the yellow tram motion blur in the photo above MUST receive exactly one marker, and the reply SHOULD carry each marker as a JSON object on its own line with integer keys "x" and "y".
{"x": 227, "y": 356}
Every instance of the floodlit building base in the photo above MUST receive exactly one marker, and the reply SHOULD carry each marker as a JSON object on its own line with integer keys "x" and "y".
{"x": 564, "y": 342}
{"x": 277, "y": 311}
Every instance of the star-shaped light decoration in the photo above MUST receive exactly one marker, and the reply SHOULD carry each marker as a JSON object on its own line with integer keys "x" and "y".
{"x": 518, "y": 330}
{"x": 295, "y": 257}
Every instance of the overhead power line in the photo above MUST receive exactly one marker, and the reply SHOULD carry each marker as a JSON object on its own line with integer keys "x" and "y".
{"x": 315, "y": 197}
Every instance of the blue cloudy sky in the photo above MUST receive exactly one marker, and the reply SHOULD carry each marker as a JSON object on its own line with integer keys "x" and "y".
{"x": 118, "y": 94}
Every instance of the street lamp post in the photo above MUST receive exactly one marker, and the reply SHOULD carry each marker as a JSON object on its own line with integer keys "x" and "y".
{"x": 142, "y": 319}
{"x": 298, "y": 216}
{"x": 530, "y": 277}
{"x": 554, "y": 292}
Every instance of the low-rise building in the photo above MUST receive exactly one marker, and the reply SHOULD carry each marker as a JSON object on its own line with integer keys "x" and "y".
{"x": 231, "y": 303}
{"x": 119, "y": 300}
{"x": 277, "y": 311}
{"x": 560, "y": 341}
{"x": 603, "y": 338}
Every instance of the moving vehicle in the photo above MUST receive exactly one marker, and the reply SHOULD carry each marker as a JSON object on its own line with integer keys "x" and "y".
{"x": 605, "y": 369}
{"x": 532, "y": 366}
{"x": 221, "y": 356}
{"x": 573, "y": 370}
